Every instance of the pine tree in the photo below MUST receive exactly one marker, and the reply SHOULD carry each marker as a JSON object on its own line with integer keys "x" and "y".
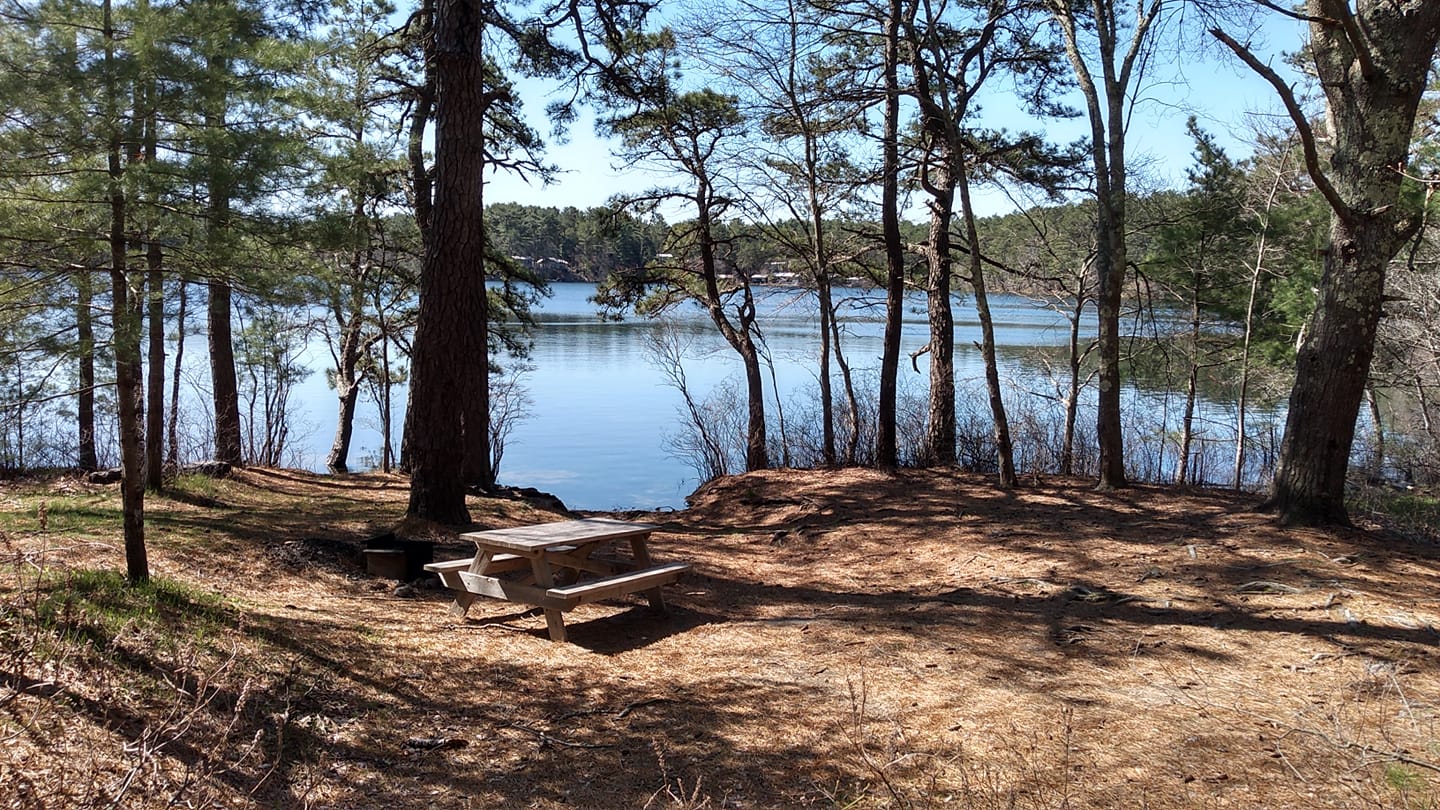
{"x": 1373, "y": 62}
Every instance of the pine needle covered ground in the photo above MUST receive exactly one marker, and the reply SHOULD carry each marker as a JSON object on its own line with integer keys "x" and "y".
{"x": 846, "y": 639}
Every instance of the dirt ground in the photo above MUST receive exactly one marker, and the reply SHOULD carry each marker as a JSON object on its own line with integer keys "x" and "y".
{"x": 846, "y": 639}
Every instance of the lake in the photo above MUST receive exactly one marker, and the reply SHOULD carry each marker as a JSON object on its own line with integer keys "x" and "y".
{"x": 601, "y": 410}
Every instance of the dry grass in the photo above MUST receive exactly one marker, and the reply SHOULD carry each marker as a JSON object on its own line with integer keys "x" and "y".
{"x": 847, "y": 639}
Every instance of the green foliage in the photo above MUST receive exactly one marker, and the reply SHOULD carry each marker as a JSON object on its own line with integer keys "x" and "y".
{"x": 1045, "y": 250}
{"x": 589, "y": 245}
{"x": 682, "y": 127}
{"x": 1206, "y": 235}
{"x": 1412, "y": 786}
{"x": 1201, "y": 249}
{"x": 1198, "y": 256}
{"x": 98, "y": 604}
{"x": 1414, "y": 514}
{"x": 193, "y": 487}
{"x": 95, "y": 609}
{"x": 268, "y": 350}
{"x": 79, "y": 515}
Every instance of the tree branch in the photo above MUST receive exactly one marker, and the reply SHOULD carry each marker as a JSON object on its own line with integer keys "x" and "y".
{"x": 1337, "y": 203}
{"x": 1358, "y": 43}
{"x": 1293, "y": 14}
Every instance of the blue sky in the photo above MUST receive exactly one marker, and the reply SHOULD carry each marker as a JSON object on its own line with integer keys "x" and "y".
{"x": 1224, "y": 95}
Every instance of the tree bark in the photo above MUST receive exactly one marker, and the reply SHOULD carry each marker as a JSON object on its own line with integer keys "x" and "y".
{"x": 1373, "y": 63}
{"x": 435, "y": 434}
{"x": 347, "y": 390}
{"x": 757, "y": 454}
{"x": 940, "y": 423}
{"x": 828, "y": 455}
{"x": 1192, "y": 386}
{"x": 475, "y": 418}
{"x": 852, "y": 399}
{"x": 155, "y": 276}
{"x": 1105, "y": 104}
{"x": 1110, "y": 265}
{"x": 85, "y": 398}
{"x": 225, "y": 389}
{"x": 824, "y": 296}
{"x": 946, "y": 82}
{"x": 155, "y": 379}
{"x": 172, "y": 429}
{"x": 886, "y": 439}
{"x": 386, "y": 387}
{"x": 1332, "y": 370}
{"x": 422, "y": 177}
{"x": 740, "y": 335}
{"x": 125, "y": 329}
{"x": 1004, "y": 448}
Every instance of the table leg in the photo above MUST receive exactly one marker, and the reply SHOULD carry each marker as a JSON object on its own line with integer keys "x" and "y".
{"x": 545, "y": 579}
{"x": 641, "y": 552}
{"x": 464, "y": 599}
{"x": 462, "y": 603}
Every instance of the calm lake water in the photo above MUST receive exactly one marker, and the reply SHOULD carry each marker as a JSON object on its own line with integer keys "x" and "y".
{"x": 595, "y": 433}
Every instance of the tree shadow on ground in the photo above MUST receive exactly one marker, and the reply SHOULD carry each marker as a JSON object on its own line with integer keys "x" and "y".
{"x": 1014, "y": 587}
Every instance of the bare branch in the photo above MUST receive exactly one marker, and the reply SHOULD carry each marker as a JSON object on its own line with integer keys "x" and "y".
{"x": 1302, "y": 125}
{"x": 1293, "y": 14}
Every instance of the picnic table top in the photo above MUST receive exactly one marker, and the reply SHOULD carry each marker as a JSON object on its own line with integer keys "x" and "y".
{"x": 529, "y": 539}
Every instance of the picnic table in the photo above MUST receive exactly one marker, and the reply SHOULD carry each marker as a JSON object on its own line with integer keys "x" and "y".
{"x": 557, "y": 567}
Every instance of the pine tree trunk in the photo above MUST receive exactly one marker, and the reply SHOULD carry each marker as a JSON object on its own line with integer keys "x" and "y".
{"x": 422, "y": 178}
{"x": 475, "y": 419}
{"x": 940, "y": 423}
{"x": 828, "y": 454}
{"x": 85, "y": 398}
{"x": 1072, "y": 389}
{"x": 824, "y": 298}
{"x": 387, "y": 458}
{"x": 1332, "y": 370}
{"x": 347, "y": 391}
{"x": 225, "y": 389}
{"x": 1110, "y": 264}
{"x": 172, "y": 429}
{"x": 1373, "y": 69}
{"x": 155, "y": 280}
{"x": 757, "y": 454}
{"x": 886, "y": 439}
{"x": 127, "y": 394}
{"x": 739, "y": 335}
{"x": 435, "y": 425}
{"x": 1004, "y": 448}
{"x": 1106, "y": 106}
{"x": 852, "y": 399}
{"x": 155, "y": 379}
{"x": 1192, "y": 385}
{"x": 125, "y": 323}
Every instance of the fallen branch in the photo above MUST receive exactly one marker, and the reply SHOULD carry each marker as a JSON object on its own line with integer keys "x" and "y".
{"x": 546, "y": 738}
{"x": 642, "y": 703}
{"x": 1369, "y": 750}
{"x": 1265, "y": 586}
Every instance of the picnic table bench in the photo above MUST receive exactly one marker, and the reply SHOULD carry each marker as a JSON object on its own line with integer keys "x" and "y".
{"x": 557, "y": 567}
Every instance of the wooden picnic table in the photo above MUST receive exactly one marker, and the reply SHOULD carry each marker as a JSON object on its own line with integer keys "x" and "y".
{"x": 558, "y": 566}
